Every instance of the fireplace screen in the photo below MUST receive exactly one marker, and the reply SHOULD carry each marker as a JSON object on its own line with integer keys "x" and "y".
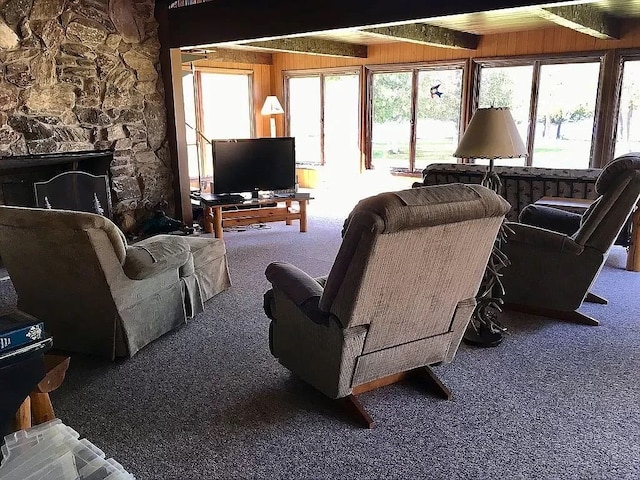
{"x": 75, "y": 190}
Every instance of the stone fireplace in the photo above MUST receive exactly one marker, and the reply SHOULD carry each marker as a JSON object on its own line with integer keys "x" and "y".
{"x": 82, "y": 75}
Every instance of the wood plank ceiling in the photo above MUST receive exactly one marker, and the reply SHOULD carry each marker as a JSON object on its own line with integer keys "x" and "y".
{"x": 601, "y": 19}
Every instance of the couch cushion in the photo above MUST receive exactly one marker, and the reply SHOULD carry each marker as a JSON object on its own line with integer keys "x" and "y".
{"x": 154, "y": 255}
{"x": 205, "y": 249}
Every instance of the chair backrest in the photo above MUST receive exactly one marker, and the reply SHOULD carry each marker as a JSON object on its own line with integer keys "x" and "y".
{"x": 75, "y": 190}
{"x": 409, "y": 258}
{"x": 619, "y": 189}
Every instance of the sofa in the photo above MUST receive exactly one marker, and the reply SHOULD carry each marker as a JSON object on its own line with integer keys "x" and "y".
{"x": 521, "y": 186}
{"x": 97, "y": 294}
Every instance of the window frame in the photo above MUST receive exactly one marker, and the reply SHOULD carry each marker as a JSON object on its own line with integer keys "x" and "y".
{"x": 415, "y": 68}
{"x": 600, "y": 124}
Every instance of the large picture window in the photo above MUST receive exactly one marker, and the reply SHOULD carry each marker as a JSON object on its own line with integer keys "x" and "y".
{"x": 415, "y": 117}
{"x": 553, "y": 102}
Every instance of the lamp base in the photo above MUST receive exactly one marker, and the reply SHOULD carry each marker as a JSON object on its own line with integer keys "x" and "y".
{"x": 272, "y": 126}
{"x": 483, "y": 336}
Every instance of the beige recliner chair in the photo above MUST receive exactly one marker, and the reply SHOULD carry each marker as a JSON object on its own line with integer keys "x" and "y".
{"x": 98, "y": 295}
{"x": 551, "y": 273}
{"x": 399, "y": 295}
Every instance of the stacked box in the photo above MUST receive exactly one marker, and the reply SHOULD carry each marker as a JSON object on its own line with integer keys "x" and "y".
{"x": 55, "y": 451}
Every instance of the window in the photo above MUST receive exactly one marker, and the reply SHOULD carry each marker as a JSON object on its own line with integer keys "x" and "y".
{"x": 508, "y": 87}
{"x": 305, "y": 121}
{"x": 323, "y": 111}
{"x": 193, "y": 155}
{"x": 415, "y": 117}
{"x": 226, "y": 105}
{"x": 628, "y": 124}
{"x": 553, "y": 102}
{"x": 564, "y": 120}
{"x": 218, "y": 105}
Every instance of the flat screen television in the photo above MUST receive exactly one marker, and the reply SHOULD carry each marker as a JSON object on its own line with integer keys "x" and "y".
{"x": 253, "y": 164}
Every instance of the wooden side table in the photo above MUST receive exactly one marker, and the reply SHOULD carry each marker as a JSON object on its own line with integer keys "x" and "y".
{"x": 37, "y": 408}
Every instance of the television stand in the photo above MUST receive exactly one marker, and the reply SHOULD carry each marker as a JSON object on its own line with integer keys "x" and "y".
{"x": 217, "y": 215}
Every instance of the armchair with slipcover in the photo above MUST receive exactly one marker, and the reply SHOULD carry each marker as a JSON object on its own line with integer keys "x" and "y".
{"x": 399, "y": 294}
{"x": 551, "y": 272}
{"x": 98, "y": 295}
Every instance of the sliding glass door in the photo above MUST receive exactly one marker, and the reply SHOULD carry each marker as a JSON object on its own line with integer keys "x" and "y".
{"x": 323, "y": 111}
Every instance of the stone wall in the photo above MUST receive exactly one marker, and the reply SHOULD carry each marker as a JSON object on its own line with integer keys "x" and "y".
{"x": 83, "y": 75}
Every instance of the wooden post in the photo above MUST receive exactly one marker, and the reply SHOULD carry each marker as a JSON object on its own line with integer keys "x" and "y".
{"x": 41, "y": 408}
{"x": 303, "y": 214}
{"x": 23, "y": 416}
{"x": 217, "y": 221}
{"x": 633, "y": 255}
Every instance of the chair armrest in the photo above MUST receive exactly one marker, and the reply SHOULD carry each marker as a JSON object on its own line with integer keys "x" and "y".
{"x": 550, "y": 218}
{"x": 155, "y": 255}
{"x": 302, "y": 289}
{"x": 541, "y": 238}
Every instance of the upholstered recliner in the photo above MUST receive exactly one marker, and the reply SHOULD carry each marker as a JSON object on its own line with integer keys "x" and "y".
{"x": 399, "y": 295}
{"x": 551, "y": 272}
{"x": 98, "y": 295}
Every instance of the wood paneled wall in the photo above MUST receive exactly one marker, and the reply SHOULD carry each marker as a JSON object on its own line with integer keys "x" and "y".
{"x": 262, "y": 86}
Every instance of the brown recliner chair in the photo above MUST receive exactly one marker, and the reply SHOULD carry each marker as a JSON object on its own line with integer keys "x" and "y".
{"x": 399, "y": 295}
{"x": 551, "y": 273}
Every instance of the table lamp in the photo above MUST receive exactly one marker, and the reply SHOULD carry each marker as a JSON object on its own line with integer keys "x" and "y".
{"x": 491, "y": 134}
{"x": 272, "y": 107}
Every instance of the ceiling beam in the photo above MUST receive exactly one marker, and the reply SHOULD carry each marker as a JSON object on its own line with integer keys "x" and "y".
{"x": 229, "y": 55}
{"x": 585, "y": 19}
{"x": 224, "y": 21}
{"x": 313, "y": 46}
{"x": 428, "y": 35}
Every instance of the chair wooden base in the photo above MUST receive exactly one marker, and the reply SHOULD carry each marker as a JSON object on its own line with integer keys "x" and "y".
{"x": 569, "y": 316}
{"x": 357, "y": 411}
{"x": 593, "y": 298}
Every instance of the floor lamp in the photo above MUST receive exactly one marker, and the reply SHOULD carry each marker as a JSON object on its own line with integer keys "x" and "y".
{"x": 491, "y": 134}
{"x": 272, "y": 107}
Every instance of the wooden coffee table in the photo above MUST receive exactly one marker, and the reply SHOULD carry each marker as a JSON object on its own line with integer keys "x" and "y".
{"x": 253, "y": 211}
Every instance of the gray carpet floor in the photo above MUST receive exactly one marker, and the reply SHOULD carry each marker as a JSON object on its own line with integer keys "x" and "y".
{"x": 554, "y": 401}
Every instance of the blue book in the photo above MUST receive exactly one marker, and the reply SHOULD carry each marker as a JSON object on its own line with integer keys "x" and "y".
{"x": 18, "y": 329}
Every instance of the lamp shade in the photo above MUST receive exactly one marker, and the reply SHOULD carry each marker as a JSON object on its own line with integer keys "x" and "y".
{"x": 271, "y": 106}
{"x": 492, "y": 133}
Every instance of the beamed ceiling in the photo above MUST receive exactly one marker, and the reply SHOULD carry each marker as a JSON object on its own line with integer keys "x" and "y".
{"x": 284, "y": 26}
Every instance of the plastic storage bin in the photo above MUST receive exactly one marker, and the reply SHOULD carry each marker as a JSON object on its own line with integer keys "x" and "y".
{"x": 54, "y": 451}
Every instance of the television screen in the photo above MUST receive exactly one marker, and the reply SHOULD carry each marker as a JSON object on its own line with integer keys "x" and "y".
{"x": 253, "y": 164}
